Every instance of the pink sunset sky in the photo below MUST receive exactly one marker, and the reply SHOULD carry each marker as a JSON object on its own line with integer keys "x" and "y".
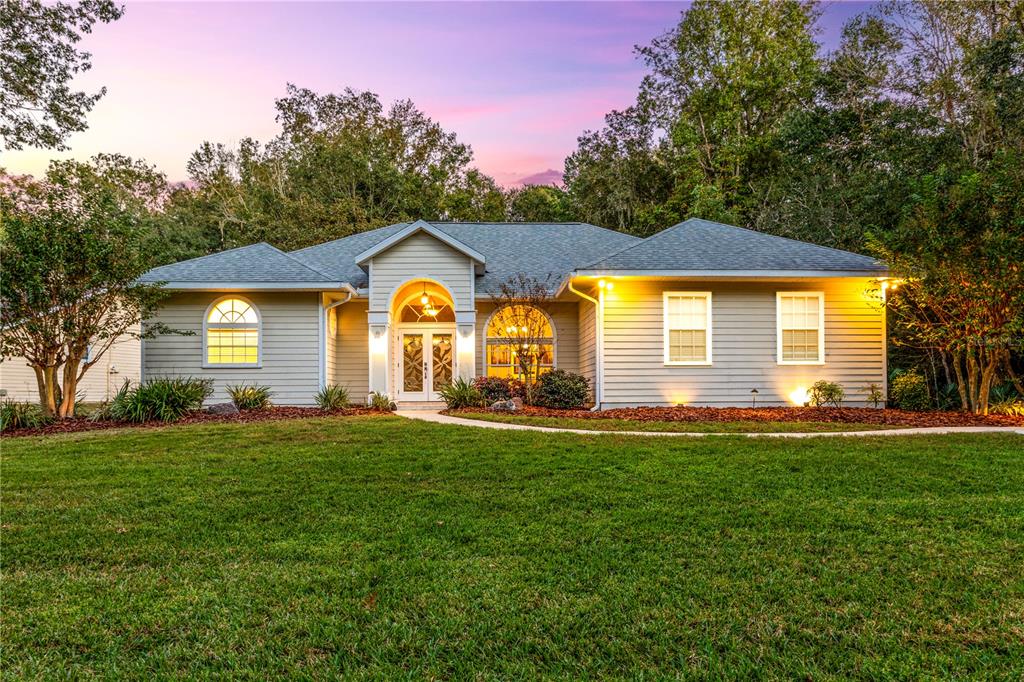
{"x": 519, "y": 82}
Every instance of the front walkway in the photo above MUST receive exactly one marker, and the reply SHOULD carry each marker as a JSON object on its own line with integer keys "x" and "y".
{"x": 437, "y": 418}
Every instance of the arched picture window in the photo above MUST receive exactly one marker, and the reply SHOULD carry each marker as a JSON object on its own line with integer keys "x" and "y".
{"x": 519, "y": 340}
{"x": 232, "y": 335}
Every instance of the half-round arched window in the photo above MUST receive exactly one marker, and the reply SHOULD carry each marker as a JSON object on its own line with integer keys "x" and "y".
{"x": 232, "y": 334}
{"x": 520, "y": 343}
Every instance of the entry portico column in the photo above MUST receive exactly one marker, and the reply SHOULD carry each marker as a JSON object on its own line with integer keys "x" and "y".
{"x": 465, "y": 343}
{"x": 380, "y": 350}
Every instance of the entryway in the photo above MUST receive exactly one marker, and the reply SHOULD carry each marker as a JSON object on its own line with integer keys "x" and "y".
{"x": 426, "y": 361}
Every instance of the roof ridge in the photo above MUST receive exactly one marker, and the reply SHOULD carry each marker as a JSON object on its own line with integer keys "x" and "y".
{"x": 347, "y": 236}
{"x": 305, "y": 265}
{"x": 643, "y": 240}
{"x": 215, "y": 253}
{"x": 779, "y": 236}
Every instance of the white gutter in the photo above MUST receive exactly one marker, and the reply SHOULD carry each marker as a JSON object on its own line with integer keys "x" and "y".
{"x": 598, "y": 341}
{"x": 324, "y": 328}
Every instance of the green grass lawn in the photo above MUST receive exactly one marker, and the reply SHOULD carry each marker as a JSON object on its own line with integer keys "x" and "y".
{"x": 378, "y": 547}
{"x": 598, "y": 424}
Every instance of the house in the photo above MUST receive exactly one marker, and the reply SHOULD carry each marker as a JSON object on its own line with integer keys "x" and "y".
{"x": 701, "y": 313}
{"x": 122, "y": 361}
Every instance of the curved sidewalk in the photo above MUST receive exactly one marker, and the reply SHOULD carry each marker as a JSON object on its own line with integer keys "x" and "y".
{"x": 438, "y": 418}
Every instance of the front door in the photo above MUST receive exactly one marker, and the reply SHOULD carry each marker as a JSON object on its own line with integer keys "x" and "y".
{"x": 425, "y": 362}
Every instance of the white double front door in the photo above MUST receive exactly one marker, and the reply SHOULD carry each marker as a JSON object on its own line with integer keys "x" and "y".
{"x": 426, "y": 361}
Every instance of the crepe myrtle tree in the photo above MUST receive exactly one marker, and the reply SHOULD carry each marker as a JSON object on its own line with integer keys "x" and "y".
{"x": 522, "y": 305}
{"x": 71, "y": 247}
{"x": 960, "y": 250}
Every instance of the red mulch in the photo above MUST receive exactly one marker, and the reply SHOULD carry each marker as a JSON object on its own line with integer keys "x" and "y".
{"x": 244, "y": 417}
{"x": 845, "y": 415}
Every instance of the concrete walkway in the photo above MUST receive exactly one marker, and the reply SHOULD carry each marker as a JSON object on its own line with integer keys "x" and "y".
{"x": 437, "y": 418}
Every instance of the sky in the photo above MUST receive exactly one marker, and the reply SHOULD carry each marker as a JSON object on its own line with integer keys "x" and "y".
{"x": 517, "y": 81}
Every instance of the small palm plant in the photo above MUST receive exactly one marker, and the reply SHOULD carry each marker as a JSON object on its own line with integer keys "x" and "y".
{"x": 332, "y": 397}
{"x": 252, "y": 397}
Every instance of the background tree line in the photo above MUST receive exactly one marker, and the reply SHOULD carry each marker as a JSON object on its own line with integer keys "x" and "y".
{"x": 906, "y": 142}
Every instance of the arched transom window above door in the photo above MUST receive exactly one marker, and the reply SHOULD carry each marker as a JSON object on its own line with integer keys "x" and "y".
{"x": 424, "y": 302}
{"x": 232, "y": 334}
{"x": 520, "y": 343}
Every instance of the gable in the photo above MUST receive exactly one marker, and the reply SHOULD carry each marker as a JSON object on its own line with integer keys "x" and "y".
{"x": 421, "y": 256}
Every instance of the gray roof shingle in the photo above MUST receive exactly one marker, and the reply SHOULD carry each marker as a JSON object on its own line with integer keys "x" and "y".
{"x": 703, "y": 245}
{"x": 544, "y": 251}
{"x": 254, "y": 263}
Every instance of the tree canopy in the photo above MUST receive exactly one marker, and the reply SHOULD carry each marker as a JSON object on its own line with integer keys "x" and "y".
{"x": 39, "y": 58}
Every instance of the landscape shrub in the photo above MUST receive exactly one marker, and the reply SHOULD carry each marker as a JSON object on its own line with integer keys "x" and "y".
{"x": 562, "y": 390}
{"x": 247, "y": 397}
{"x": 165, "y": 399}
{"x": 909, "y": 391}
{"x": 1004, "y": 400}
{"x": 332, "y": 397}
{"x": 15, "y": 415}
{"x": 493, "y": 389}
{"x": 875, "y": 395}
{"x": 826, "y": 393}
{"x": 460, "y": 393}
{"x": 382, "y": 401}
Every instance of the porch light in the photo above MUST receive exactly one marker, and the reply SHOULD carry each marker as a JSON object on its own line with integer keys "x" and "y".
{"x": 799, "y": 396}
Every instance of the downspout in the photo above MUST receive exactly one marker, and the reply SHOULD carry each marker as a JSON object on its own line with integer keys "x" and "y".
{"x": 325, "y": 329}
{"x": 598, "y": 343}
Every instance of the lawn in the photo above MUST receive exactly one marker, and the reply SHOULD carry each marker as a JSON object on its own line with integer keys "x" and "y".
{"x": 373, "y": 547}
{"x": 671, "y": 426}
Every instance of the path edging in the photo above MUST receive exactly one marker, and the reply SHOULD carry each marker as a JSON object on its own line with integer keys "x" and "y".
{"x": 438, "y": 418}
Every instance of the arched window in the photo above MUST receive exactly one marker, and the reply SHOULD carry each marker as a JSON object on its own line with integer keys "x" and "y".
{"x": 232, "y": 334}
{"x": 520, "y": 341}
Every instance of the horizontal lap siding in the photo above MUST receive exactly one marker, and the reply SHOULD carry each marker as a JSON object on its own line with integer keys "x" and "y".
{"x": 420, "y": 256}
{"x": 565, "y": 317}
{"x": 98, "y": 384}
{"x": 352, "y": 351}
{"x": 588, "y": 342}
{"x": 290, "y": 364}
{"x": 743, "y": 345}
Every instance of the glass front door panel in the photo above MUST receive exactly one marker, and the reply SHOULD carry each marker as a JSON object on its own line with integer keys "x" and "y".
{"x": 412, "y": 363}
{"x": 442, "y": 360}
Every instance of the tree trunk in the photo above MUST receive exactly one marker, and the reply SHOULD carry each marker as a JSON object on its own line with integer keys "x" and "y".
{"x": 70, "y": 392}
{"x": 961, "y": 384}
{"x": 988, "y": 375}
{"x": 49, "y": 390}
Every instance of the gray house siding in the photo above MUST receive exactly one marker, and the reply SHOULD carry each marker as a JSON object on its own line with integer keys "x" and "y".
{"x": 420, "y": 255}
{"x": 743, "y": 345}
{"x": 290, "y": 345}
{"x": 351, "y": 350}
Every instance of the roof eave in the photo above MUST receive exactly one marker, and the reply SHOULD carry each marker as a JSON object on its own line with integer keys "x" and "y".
{"x": 731, "y": 274}
{"x": 256, "y": 286}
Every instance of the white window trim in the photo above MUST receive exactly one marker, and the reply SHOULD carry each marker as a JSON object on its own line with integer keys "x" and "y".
{"x": 259, "y": 336}
{"x": 779, "y": 295}
{"x": 708, "y": 357}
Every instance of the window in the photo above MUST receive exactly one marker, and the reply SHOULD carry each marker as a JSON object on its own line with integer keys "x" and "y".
{"x": 801, "y": 327}
{"x": 687, "y": 323}
{"x": 518, "y": 335}
{"x": 232, "y": 334}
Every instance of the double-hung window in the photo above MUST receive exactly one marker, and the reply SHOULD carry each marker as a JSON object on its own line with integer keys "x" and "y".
{"x": 687, "y": 324}
{"x": 800, "y": 335}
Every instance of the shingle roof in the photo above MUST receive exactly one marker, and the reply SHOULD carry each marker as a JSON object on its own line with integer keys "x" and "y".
{"x": 254, "y": 263}
{"x": 544, "y": 251}
{"x": 702, "y": 245}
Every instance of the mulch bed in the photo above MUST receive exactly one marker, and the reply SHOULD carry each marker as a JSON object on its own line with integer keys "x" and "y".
{"x": 845, "y": 415}
{"x": 244, "y": 417}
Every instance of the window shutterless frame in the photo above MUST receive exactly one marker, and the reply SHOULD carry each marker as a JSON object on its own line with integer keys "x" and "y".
{"x": 667, "y": 328}
{"x": 779, "y": 297}
{"x": 207, "y": 325}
